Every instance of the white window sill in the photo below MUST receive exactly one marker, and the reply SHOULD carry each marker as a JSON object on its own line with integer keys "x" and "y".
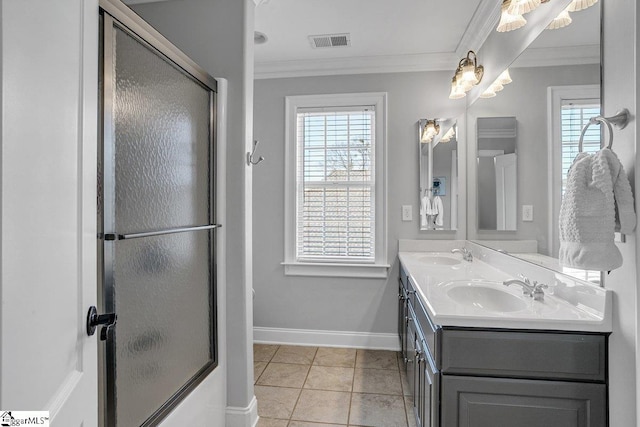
{"x": 368, "y": 271}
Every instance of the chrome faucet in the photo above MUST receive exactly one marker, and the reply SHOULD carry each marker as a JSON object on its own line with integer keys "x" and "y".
{"x": 533, "y": 290}
{"x": 466, "y": 253}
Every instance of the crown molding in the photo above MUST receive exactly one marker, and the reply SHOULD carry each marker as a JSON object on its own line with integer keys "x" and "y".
{"x": 355, "y": 65}
{"x": 484, "y": 20}
{"x": 143, "y": 1}
{"x": 557, "y": 56}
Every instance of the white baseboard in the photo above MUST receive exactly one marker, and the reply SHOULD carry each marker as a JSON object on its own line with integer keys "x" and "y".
{"x": 243, "y": 417}
{"x": 312, "y": 337}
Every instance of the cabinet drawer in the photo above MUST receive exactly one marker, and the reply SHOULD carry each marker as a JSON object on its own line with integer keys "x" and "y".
{"x": 491, "y": 402}
{"x": 524, "y": 354}
{"x": 429, "y": 330}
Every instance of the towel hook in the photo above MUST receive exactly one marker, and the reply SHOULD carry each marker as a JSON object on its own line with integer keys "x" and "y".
{"x": 619, "y": 120}
{"x": 250, "y": 160}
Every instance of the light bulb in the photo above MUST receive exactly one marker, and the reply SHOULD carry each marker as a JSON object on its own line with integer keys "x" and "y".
{"x": 504, "y": 78}
{"x": 577, "y": 5}
{"x": 489, "y": 93}
{"x": 508, "y": 21}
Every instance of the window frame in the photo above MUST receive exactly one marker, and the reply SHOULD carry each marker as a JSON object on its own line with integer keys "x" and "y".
{"x": 335, "y": 268}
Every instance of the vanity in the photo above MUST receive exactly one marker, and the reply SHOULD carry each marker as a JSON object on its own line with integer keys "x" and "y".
{"x": 480, "y": 354}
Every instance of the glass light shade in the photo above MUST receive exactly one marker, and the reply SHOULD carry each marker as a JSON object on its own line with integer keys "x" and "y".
{"x": 469, "y": 73}
{"x": 431, "y": 129}
{"x": 560, "y": 21}
{"x": 489, "y": 93}
{"x": 504, "y": 78}
{"x": 496, "y": 86}
{"x": 577, "y": 5}
{"x": 456, "y": 91}
{"x": 447, "y": 136}
{"x": 509, "y": 22}
{"x": 520, "y": 7}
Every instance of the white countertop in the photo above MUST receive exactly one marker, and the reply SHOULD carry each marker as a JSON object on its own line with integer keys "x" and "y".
{"x": 569, "y": 304}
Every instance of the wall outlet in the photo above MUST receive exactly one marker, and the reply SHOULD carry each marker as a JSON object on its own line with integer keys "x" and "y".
{"x": 407, "y": 212}
{"x": 527, "y": 212}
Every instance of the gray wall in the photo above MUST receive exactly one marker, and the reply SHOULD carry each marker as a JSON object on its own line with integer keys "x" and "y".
{"x": 362, "y": 305}
{"x": 526, "y": 99}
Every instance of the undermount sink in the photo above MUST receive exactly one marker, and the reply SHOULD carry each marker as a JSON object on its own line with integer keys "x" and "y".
{"x": 485, "y": 296}
{"x": 439, "y": 260}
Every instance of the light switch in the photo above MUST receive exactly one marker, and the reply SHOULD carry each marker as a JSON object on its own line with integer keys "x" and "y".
{"x": 407, "y": 212}
{"x": 527, "y": 212}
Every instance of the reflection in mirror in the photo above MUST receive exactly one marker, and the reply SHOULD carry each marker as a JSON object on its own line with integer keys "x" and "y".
{"x": 439, "y": 179}
{"x": 497, "y": 173}
{"x": 555, "y": 90}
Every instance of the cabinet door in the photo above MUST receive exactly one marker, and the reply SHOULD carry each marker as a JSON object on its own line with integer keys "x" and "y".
{"x": 499, "y": 402}
{"x": 402, "y": 320}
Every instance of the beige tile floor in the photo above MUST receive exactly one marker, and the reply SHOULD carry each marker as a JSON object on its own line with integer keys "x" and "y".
{"x": 329, "y": 387}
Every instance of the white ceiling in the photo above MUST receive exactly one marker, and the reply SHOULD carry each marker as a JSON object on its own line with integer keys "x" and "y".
{"x": 398, "y": 35}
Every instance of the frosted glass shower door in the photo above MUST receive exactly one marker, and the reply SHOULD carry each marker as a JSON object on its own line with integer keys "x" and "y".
{"x": 158, "y": 227}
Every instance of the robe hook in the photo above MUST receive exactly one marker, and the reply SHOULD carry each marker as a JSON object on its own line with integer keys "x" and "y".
{"x": 250, "y": 160}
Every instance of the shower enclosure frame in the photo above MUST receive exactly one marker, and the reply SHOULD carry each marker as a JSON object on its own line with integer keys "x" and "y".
{"x": 114, "y": 13}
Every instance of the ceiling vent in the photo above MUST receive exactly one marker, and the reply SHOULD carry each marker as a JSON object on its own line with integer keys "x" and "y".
{"x": 330, "y": 40}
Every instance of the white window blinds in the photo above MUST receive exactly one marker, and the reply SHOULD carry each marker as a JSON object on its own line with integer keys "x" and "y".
{"x": 335, "y": 187}
{"x": 575, "y": 115}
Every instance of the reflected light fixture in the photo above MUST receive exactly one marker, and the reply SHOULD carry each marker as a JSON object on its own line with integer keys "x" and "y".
{"x": 450, "y": 134}
{"x": 520, "y": 7}
{"x": 577, "y": 5}
{"x": 560, "y": 21}
{"x": 503, "y": 79}
{"x": 467, "y": 75}
{"x": 508, "y": 20}
{"x": 428, "y": 129}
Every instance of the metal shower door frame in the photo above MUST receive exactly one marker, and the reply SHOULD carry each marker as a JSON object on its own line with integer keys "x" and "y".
{"x": 114, "y": 14}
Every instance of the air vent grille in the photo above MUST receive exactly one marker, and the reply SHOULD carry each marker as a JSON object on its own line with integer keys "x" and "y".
{"x": 330, "y": 40}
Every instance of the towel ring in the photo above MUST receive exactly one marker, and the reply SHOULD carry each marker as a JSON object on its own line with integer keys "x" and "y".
{"x": 620, "y": 120}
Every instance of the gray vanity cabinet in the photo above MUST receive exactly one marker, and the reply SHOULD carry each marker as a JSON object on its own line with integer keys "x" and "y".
{"x": 493, "y": 402}
{"x": 482, "y": 377}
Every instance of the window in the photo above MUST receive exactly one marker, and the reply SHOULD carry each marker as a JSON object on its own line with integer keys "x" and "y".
{"x": 335, "y": 219}
{"x": 570, "y": 108}
{"x": 574, "y": 115}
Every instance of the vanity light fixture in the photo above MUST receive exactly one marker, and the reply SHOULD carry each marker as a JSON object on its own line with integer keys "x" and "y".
{"x": 503, "y": 79}
{"x": 561, "y": 20}
{"x": 577, "y": 5}
{"x": 450, "y": 134}
{"x": 428, "y": 129}
{"x": 467, "y": 75}
{"x": 508, "y": 20}
{"x": 520, "y": 7}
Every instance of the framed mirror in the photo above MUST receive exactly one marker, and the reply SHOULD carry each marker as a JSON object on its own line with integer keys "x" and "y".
{"x": 497, "y": 173}
{"x": 555, "y": 90}
{"x": 439, "y": 177}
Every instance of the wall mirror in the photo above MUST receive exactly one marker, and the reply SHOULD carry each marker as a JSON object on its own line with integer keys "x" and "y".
{"x": 497, "y": 173}
{"x": 439, "y": 177}
{"x": 555, "y": 90}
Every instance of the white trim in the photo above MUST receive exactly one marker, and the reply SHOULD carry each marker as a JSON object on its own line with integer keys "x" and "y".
{"x": 484, "y": 20}
{"x": 558, "y": 56}
{"x": 311, "y": 337}
{"x": 555, "y": 96}
{"x": 292, "y": 266}
{"x": 243, "y": 417}
{"x": 356, "y": 65}
{"x": 363, "y": 271}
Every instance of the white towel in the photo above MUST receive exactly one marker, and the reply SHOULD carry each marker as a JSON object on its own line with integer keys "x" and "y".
{"x": 438, "y": 209}
{"x": 597, "y": 201}
{"x": 425, "y": 207}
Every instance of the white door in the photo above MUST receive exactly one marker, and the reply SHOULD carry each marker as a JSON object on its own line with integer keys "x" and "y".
{"x": 48, "y": 208}
{"x": 506, "y": 191}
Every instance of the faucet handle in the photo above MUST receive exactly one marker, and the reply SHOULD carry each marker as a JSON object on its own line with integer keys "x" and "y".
{"x": 524, "y": 278}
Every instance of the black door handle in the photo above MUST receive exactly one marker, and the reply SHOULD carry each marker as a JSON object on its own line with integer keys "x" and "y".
{"x": 94, "y": 320}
